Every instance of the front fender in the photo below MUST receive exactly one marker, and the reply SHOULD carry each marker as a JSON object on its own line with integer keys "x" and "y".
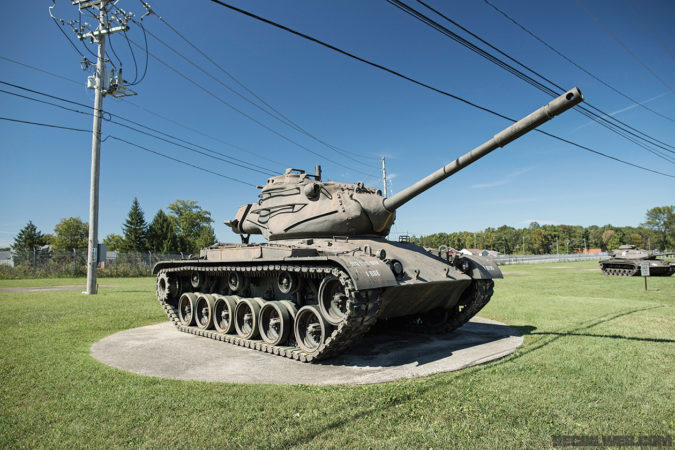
{"x": 482, "y": 268}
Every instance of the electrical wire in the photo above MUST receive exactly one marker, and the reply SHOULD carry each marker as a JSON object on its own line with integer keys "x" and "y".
{"x": 625, "y": 47}
{"x": 201, "y": 133}
{"x": 419, "y": 83}
{"x": 278, "y": 117}
{"x": 648, "y": 24}
{"x": 248, "y": 116}
{"x": 239, "y": 163}
{"x": 562, "y": 55}
{"x": 602, "y": 120}
{"x": 135, "y": 105}
{"x": 45, "y": 124}
{"x": 243, "y": 86}
{"x": 79, "y": 83}
{"x": 181, "y": 161}
{"x": 129, "y": 143}
{"x": 58, "y": 25}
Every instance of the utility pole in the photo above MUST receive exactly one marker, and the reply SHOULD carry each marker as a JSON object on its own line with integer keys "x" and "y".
{"x": 92, "y": 253}
{"x": 103, "y": 83}
{"x": 384, "y": 178}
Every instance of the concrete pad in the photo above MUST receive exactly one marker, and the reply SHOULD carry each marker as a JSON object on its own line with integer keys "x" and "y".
{"x": 161, "y": 350}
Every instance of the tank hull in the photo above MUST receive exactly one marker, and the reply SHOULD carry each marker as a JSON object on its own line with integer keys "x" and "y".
{"x": 631, "y": 267}
{"x": 328, "y": 291}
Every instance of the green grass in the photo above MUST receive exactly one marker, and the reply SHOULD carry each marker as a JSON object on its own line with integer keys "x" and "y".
{"x": 598, "y": 359}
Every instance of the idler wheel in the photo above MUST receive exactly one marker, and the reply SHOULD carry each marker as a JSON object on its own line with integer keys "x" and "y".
{"x": 275, "y": 323}
{"x": 310, "y": 328}
{"x": 246, "y": 318}
{"x": 204, "y": 311}
{"x": 186, "y": 308}
{"x": 332, "y": 300}
{"x": 223, "y": 313}
{"x": 287, "y": 282}
{"x": 236, "y": 282}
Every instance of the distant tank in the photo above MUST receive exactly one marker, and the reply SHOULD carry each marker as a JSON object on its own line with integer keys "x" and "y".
{"x": 328, "y": 273}
{"x": 626, "y": 260}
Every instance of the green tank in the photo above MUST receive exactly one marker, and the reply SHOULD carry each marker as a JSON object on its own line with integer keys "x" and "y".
{"x": 327, "y": 273}
{"x": 626, "y": 261}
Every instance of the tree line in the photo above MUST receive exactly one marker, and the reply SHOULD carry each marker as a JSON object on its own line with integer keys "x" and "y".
{"x": 186, "y": 227}
{"x": 657, "y": 232}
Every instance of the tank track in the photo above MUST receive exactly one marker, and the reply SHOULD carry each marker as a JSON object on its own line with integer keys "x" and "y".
{"x": 362, "y": 311}
{"x": 625, "y": 270}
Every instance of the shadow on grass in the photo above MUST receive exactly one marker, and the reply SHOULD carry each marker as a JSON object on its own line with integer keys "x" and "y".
{"x": 307, "y": 437}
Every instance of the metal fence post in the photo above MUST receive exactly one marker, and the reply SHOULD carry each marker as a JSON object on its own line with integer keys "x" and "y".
{"x": 74, "y": 262}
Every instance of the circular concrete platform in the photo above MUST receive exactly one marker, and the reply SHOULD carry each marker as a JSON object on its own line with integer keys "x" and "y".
{"x": 161, "y": 350}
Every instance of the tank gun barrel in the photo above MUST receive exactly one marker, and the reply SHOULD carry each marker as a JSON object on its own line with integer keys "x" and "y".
{"x": 525, "y": 125}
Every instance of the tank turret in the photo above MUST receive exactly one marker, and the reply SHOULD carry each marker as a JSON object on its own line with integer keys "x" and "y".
{"x": 300, "y": 205}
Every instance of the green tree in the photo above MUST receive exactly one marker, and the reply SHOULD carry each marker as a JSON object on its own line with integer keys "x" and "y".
{"x": 29, "y": 238}
{"x": 190, "y": 220}
{"x": 162, "y": 235}
{"x": 135, "y": 230}
{"x": 26, "y": 242}
{"x": 70, "y": 233}
{"x": 661, "y": 219}
{"x": 113, "y": 241}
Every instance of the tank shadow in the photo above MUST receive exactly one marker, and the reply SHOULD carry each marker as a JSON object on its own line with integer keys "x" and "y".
{"x": 386, "y": 347}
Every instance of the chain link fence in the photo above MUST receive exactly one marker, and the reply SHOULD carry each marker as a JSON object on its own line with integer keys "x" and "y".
{"x": 44, "y": 263}
{"x": 539, "y": 259}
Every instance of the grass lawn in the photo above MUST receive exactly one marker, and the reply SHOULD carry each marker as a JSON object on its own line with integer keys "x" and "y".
{"x": 598, "y": 359}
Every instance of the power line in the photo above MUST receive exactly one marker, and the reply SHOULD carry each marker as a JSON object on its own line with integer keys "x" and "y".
{"x": 244, "y": 164}
{"x": 604, "y": 27}
{"x": 623, "y": 94}
{"x": 181, "y": 161}
{"x": 201, "y": 133}
{"x": 248, "y": 116}
{"x": 648, "y": 23}
{"x": 276, "y": 116}
{"x": 243, "y": 86}
{"x": 602, "y": 120}
{"x": 136, "y": 106}
{"x": 45, "y": 124}
{"x": 129, "y": 143}
{"x": 79, "y": 83}
{"x": 414, "y": 81}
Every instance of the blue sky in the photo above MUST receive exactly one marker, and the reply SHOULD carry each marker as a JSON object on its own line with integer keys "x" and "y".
{"x": 45, "y": 172}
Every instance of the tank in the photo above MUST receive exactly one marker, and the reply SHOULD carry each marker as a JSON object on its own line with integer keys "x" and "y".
{"x": 626, "y": 260}
{"x": 327, "y": 272}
